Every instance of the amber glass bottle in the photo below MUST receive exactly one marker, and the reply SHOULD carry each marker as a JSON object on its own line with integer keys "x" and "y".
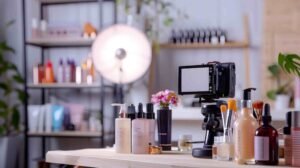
{"x": 266, "y": 141}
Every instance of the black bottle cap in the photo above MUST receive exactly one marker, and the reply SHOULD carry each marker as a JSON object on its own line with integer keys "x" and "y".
{"x": 287, "y": 128}
{"x": 247, "y": 93}
{"x": 150, "y": 112}
{"x": 131, "y": 112}
{"x": 140, "y": 113}
{"x": 266, "y": 117}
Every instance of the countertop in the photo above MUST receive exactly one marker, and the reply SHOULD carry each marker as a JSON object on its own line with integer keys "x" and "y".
{"x": 107, "y": 158}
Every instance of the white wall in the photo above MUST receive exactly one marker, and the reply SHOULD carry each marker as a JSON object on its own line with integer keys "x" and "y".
{"x": 202, "y": 13}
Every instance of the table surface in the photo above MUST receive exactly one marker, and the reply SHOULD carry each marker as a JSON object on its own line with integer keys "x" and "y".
{"x": 107, "y": 158}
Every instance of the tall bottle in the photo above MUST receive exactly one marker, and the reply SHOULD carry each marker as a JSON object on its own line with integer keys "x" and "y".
{"x": 140, "y": 136}
{"x": 122, "y": 131}
{"x": 49, "y": 74}
{"x": 244, "y": 130}
{"x": 150, "y": 115}
{"x": 266, "y": 141}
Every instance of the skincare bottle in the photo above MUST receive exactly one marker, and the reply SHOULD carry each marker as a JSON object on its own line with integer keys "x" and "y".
{"x": 35, "y": 28}
{"x": 288, "y": 139}
{"x": 78, "y": 75}
{"x": 150, "y": 115}
{"x": 49, "y": 74}
{"x": 140, "y": 133}
{"x": 68, "y": 71}
{"x": 35, "y": 75}
{"x": 131, "y": 112}
{"x": 266, "y": 141}
{"x": 244, "y": 130}
{"x": 123, "y": 131}
{"x": 60, "y": 72}
{"x": 295, "y": 132}
{"x": 44, "y": 27}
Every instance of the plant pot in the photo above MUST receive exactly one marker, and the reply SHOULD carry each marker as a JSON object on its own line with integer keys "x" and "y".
{"x": 9, "y": 147}
{"x": 282, "y": 102}
{"x": 164, "y": 127}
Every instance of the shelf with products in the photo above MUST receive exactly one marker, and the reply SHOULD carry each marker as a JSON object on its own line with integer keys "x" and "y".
{"x": 79, "y": 134}
{"x": 63, "y": 85}
{"x": 69, "y": 1}
{"x": 60, "y": 42}
{"x": 205, "y": 45}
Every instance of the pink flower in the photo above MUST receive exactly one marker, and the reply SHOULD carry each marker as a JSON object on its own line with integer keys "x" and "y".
{"x": 165, "y": 98}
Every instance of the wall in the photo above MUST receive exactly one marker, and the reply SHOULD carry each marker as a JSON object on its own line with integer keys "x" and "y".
{"x": 203, "y": 13}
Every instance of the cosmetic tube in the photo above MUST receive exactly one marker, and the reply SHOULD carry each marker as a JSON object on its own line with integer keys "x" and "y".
{"x": 57, "y": 117}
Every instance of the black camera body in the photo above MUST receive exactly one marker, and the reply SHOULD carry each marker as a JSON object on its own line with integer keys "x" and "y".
{"x": 212, "y": 80}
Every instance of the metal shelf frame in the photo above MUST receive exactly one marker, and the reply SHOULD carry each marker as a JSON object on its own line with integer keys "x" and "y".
{"x": 43, "y": 6}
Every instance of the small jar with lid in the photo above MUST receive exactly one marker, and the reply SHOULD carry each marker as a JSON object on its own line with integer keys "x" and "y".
{"x": 184, "y": 143}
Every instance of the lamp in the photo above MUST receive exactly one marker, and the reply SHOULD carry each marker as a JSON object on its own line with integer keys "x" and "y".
{"x": 122, "y": 54}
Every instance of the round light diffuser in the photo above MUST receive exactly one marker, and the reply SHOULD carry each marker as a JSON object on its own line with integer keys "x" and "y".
{"x": 121, "y": 53}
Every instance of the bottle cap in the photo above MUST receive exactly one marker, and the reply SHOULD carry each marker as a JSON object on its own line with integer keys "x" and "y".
{"x": 49, "y": 64}
{"x": 287, "y": 128}
{"x": 247, "y": 93}
{"x": 140, "y": 113}
{"x": 131, "y": 112}
{"x": 266, "y": 117}
{"x": 150, "y": 112}
{"x": 122, "y": 112}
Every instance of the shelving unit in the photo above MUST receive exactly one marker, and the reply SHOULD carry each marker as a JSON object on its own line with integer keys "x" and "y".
{"x": 60, "y": 42}
{"x": 46, "y": 44}
{"x": 205, "y": 45}
{"x": 72, "y": 134}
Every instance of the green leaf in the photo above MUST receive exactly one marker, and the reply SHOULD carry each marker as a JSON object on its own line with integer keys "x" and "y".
{"x": 22, "y": 96}
{"x": 274, "y": 69}
{"x": 4, "y": 113}
{"x": 7, "y": 89}
{"x": 272, "y": 94}
{"x": 15, "y": 119}
{"x": 18, "y": 78}
{"x": 2, "y": 130}
{"x": 168, "y": 21}
{"x": 3, "y": 105}
{"x": 5, "y": 48}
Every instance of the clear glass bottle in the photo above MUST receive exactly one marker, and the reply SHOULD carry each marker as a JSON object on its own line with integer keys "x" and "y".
{"x": 244, "y": 131}
{"x": 183, "y": 144}
{"x": 217, "y": 141}
{"x": 225, "y": 149}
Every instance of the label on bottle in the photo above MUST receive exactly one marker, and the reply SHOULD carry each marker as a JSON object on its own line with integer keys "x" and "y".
{"x": 261, "y": 148}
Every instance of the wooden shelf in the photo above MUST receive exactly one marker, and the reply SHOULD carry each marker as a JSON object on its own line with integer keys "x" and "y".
{"x": 65, "y": 134}
{"x": 68, "y": 1}
{"x": 63, "y": 85}
{"x": 61, "y": 42}
{"x": 205, "y": 45}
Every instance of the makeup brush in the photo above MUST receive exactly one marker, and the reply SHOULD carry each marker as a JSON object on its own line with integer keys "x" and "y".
{"x": 258, "y": 108}
{"x": 231, "y": 107}
{"x": 223, "y": 111}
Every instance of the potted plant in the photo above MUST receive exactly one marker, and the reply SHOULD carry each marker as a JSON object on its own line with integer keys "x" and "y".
{"x": 281, "y": 93}
{"x": 12, "y": 98}
{"x": 290, "y": 63}
{"x": 164, "y": 99}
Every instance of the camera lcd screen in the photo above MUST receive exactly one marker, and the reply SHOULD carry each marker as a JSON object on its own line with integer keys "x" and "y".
{"x": 194, "y": 80}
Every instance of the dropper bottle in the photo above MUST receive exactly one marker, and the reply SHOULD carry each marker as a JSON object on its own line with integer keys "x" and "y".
{"x": 244, "y": 131}
{"x": 122, "y": 131}
{"x": 150, "y": 115}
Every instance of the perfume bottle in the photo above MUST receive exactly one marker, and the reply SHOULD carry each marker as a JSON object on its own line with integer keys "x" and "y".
{"x": 266, "y": 141}
{"x": 288, "y": 139}
{"x": 244, "y": 131}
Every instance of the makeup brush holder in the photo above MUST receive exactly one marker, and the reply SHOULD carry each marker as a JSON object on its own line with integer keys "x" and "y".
{"x": 164, "y": 127}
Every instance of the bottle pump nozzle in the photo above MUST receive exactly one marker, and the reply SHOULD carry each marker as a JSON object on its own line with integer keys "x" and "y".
{"x": 122, "y": 112}
{"x": 247, "y": 93}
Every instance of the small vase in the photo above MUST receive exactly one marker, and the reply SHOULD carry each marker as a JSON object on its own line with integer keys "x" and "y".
{"x": 164, "y": 127}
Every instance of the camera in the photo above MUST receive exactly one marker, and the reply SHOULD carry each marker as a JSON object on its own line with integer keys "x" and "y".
{"x": 209, "y": 82}
{"x": 212, "y": 80}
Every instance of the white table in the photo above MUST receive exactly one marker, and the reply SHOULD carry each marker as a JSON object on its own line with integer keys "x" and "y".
{"x": 107, "y": 158}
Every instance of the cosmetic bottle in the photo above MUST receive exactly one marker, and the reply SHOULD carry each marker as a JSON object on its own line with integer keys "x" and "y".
{"x": 295, "y": 132}
{"x": 266, "y": 141}
{"x": 49, "y": 74}
{"x": 122, "y": 131}
{"x": 201, "y": 36}
{"x": 131, "y": 112}
{"x": 140, "y": 133}
{"x": 35, "y": 28}
{"x": 44, "y": 27}
{"x": 297, "y": 93}
{"x": 244, "y": 131}
{"x": 73, "y": 71}
{"x": 223, "y": 38}
{"x": 78, "y": 75}
{"x": 41, "y": 73}
{"x": 150, "y": 115}
{"x": 207, "y": 36}
{"x": 173, "y": 37}
{"x": 68, "y": 72}
{"x": 35, "y": 75}
{"x": 288, "y": 139}
{"x": 60, "y": 72}
{"x": 214, "y": 39}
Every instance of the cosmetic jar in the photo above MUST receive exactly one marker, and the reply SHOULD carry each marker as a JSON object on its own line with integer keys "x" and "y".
{"x": 217, "y": 141}
{"x": 183, "y": 144}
